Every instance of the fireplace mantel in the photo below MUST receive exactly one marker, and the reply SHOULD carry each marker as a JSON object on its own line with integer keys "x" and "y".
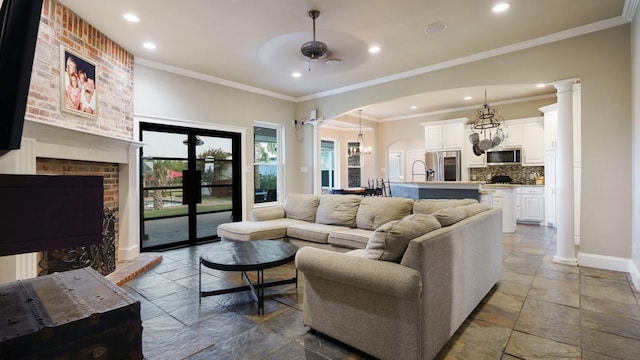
{"x": 51, "y": 141}
{"x": 58, "y": 142}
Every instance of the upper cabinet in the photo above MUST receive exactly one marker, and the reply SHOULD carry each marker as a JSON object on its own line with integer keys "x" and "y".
{"x": 527, "y": 134}
{"x": 533, "y": 143}
{"x": 550, "y": 126}
{"x": 444, "y": 135}
{"x": 515, "y": 134}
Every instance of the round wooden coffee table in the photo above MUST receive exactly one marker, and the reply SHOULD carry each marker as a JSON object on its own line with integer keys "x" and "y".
{"x": 243, "y": 256}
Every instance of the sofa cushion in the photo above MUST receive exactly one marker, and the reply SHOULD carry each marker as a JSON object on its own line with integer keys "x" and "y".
{"x": 375, "y": 211}
{"x": 450, "y": 216}
{"x": 267, "y": 213}
{"x": 301, "y": 206}
{"x": 338, "y": 210}
{"x": 473, "y": 209}
{"x": 313, "y": 232}
{"x": 390, "y": 240}
{"x": 352, "y": 238}
{"x": 429, "y": 206}
{"x": 255, "y": 230}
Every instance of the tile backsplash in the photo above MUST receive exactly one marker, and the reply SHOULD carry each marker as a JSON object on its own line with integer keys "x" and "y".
{"x": 519, "y": 174}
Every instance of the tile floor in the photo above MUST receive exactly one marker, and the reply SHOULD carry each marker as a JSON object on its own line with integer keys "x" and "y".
{"x": 537, "y": 310}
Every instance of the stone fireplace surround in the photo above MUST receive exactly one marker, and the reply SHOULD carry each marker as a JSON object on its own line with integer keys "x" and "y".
{"x": 41, "y": 140}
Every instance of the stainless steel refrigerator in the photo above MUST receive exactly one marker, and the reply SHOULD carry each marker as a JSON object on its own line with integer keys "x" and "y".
{"x": 442, "y": 166}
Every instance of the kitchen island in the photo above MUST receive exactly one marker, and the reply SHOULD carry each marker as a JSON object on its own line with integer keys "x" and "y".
{"x": 436, "y": 189}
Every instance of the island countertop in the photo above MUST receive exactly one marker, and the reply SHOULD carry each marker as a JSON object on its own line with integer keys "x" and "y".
{"x": 436, "y": 189}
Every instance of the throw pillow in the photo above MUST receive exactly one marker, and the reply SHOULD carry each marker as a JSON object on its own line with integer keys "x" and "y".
{"x": 450, "y": 216}
{"x": 301, "y": 206}
{"x": 390, "y": 241}
{"x": 375, "y": 211}
{"x": 338, "y": 210}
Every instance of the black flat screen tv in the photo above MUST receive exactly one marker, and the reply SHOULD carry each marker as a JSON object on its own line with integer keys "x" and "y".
{"x": 18, "y": 34}
{"x": 46, "y": 212}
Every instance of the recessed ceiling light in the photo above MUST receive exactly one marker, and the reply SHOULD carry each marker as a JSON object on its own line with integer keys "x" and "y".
{"x": 413, "y": 107}
{"x": 500, "y": 7}
{"x": 541, "y": 85}
{"x": 131, "y": 17}
{"x": 468, "y": 98}
{"x": 374, "y": 49}
{"x": 149, "y": 45}
{"x": 296, "y": 74}
{"x": 435, "y": 28}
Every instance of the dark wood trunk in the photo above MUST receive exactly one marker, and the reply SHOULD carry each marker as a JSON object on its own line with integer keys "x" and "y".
{"x": 76, "y": 314}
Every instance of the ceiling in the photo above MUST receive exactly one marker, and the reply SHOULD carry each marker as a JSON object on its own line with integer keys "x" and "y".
{"x": 256, "y": 44}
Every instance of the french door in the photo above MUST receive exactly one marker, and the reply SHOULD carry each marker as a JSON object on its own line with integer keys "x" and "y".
{"x": 189, "y": 184}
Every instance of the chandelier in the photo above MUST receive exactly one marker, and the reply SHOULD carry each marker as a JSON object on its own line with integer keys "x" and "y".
{"x": 487, "y": 129}
{"x": 361, "y": 149}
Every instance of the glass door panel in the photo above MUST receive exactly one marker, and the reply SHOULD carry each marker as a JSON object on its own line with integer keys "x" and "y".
{"x": 214, "y": 158}
{"x": 164, "y": 160}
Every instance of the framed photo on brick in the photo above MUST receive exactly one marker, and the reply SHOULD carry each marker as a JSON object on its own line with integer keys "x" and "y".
{"x": 78, "y": 84}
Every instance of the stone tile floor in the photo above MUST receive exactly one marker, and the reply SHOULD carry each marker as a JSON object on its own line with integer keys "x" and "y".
{"x": 538, "y": 310}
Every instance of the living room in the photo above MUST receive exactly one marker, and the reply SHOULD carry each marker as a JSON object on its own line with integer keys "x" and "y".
{"x": 145, "y": 91}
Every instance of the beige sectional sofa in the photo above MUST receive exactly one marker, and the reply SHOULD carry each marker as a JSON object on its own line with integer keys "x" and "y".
{"x": 418, "y": 268}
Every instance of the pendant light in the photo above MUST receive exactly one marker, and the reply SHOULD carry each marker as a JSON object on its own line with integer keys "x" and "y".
{"x": 361, "y": 149}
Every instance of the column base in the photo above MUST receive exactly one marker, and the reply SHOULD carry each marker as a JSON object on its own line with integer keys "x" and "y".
{"x": 565, "y": 261}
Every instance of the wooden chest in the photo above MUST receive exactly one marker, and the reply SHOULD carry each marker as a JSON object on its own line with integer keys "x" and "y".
{"x": 75, "y": 314}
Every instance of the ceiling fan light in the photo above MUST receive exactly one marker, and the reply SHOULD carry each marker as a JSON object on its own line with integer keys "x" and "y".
{"x": 314, "y": 50}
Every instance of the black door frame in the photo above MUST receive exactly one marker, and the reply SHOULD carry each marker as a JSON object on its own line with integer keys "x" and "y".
{"x": 193, "y": 191}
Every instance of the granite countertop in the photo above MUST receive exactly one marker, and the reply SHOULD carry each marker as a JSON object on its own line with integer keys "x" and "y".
{"x": 508, "y": 186}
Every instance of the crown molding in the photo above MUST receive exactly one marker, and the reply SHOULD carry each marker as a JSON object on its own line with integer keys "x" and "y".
{"x": 208, "y": 78}
{"x": 630, "y": 9}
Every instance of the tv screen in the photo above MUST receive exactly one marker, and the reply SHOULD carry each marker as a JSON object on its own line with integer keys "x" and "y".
{"x": 18, "y": 35}
{"x": 46, "y": 212}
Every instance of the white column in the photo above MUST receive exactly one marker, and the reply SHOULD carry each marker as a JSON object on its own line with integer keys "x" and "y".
{"x": 565, "y": 253}
{"x": 21, "y": 161}
{"x": 317, "y": 157}
{"x": 129, "y": 206}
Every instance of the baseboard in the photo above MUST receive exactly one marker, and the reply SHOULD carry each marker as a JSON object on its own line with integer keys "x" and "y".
{"x": 635, "y": 275}
{"x": 604, "y": 262}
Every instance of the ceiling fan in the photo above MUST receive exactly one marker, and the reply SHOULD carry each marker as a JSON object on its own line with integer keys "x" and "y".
{"x": 315, "y": 50}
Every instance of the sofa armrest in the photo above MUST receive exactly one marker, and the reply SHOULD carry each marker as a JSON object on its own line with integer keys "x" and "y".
{"x": 382, "y": 277}
{"x": 268, "y": 213}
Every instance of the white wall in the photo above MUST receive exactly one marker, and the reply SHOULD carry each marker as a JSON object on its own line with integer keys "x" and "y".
{"x": 635, "y": 110}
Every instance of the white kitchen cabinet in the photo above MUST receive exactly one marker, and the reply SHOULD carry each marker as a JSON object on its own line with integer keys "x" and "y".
{"x": 532, "y": 204}
{"x": 470, "y": 160}
{"x": 444, "y": 135}
{"x": 515, "y": 134}
{"x": 533, "y": 143}
{"x": 550, "y": 126}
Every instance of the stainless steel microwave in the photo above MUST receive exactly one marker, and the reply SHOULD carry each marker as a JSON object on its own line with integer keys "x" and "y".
{"x": 510, "y": 156}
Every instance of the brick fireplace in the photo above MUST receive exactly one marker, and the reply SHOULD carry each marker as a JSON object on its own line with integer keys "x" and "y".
{"x": 102, "y": 257}
{"x": 49, "y": 149}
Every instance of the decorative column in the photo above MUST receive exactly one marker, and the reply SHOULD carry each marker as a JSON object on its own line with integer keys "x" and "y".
{"x": 317, "y": 157}
{"x": 20, "y": 161}
{"x": 565, "y": 253}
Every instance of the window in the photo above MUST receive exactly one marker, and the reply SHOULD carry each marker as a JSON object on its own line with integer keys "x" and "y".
{"x": 328, "y": 165}
{"x": 267, "y": 162}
